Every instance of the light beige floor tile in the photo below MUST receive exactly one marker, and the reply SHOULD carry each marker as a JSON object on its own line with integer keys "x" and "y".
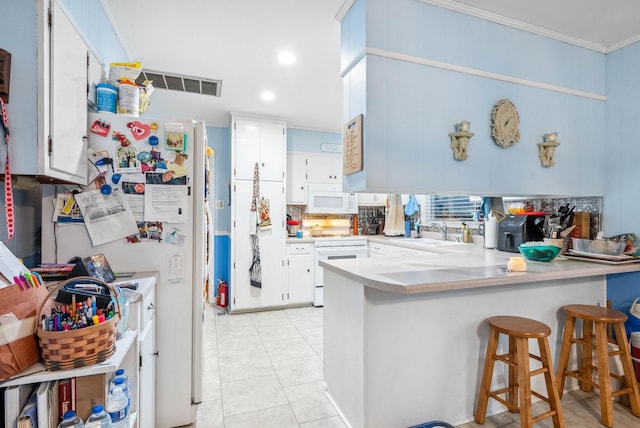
{"x": 210, "y": 359}
{"x": 245, "y": 366}
{"x": 313, "y": 335}
{"x": 309, "y": 401}
{"x": 268, "y": 318}
{"x": 289, "y": 348}
{"x": 249, "y": 395}
{"x": 333, "y": 422}
{"x": 299, "y": 370}
{"x": 275, "y": 417}
{"x": 211, "y": 386}
{"x": 277, "y": 332}
{"x": 209, "y": 415}
{"x": 239, "y": 346}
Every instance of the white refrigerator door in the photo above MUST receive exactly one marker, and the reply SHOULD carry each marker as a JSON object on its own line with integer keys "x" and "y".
{"x": 174, "y": 259}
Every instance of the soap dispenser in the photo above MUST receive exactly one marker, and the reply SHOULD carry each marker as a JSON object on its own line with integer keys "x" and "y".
{"x": 466, "y": 234}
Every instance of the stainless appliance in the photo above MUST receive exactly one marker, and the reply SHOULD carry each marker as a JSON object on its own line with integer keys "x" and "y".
{"x": 329, "y": 199}
{"x": 333, "y": 248}
{"x": 516, "y": 229}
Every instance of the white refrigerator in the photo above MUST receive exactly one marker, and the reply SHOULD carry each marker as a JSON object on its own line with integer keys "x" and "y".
{"x": 146, "y": 151}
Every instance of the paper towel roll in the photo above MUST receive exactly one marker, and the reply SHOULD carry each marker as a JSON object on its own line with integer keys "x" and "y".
{"x": 491, "y": 231}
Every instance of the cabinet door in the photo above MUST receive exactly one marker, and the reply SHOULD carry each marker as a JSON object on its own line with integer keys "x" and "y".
{"x": 273, "y": 149}
{"x": 296, "y": 178}
{"x": 324, "y": 169}
{"x": 246, "y": 148}
{"x": 271, "y": 245}
{"x": 68, "y": 106}
{"x": 300, "y": 273}
{"x": 147, "y": 390}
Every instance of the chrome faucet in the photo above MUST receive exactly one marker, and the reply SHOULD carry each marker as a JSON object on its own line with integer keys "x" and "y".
{"x": 442, "y": 227}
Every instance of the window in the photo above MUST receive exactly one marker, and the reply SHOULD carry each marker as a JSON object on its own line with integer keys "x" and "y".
{"x": 448, "y": 208}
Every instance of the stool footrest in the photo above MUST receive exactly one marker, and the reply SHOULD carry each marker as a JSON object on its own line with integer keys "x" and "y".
{"x": 542, "y": 416}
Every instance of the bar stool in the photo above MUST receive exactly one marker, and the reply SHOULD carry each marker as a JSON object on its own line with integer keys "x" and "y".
{"x": 596, "y": 318}
{"x": 519, "y": 330}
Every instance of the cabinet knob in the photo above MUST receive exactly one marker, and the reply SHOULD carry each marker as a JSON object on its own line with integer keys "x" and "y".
{"x": 151, "y": 306}
{"x": 156, "y": 353}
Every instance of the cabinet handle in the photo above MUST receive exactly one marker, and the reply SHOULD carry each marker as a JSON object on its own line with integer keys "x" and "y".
{"x": 151, "y": 306}
{"x": 308, "y": 270}
{"x": 156, "y": 353}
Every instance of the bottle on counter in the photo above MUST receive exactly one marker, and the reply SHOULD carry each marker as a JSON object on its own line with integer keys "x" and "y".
{"x": 98, "y": 418}
{"x": 125, "y": 384}
{"x": 118, "y": 407}
{"x": 71, "y": 420}
{"x": 355, "y": 224}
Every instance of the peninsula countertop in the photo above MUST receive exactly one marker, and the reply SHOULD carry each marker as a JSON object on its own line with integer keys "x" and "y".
{"x": 460, "y": 266}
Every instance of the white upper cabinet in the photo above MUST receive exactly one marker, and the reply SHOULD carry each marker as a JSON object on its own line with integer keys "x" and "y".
{"x": 296, "y": 178}
{"x": 323, "y": 168}
{"x": 48, "y": 100}
{"x": 259, "y": 142}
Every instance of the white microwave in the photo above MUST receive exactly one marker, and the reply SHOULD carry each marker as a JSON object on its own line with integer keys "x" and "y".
{"x": 329, "y": 199}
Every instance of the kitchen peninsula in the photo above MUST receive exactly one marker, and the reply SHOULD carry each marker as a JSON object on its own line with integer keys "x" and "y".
{"x": 404, "y": 338}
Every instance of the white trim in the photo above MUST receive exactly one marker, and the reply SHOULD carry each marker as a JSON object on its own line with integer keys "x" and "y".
{"x": 521, "y": 25}
{"x": 353, "y": 63}
{"x": 335, "y": 406}
{"x": 515, "y": 23}
{"x": 481, "y": 73}
{"x": 344, "y": 9}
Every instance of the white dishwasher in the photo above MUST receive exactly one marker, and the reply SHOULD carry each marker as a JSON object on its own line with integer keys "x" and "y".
{"x": 333, "y": 248}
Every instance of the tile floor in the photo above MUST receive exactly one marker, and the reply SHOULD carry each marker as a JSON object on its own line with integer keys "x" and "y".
{"x": 264, "y": 369}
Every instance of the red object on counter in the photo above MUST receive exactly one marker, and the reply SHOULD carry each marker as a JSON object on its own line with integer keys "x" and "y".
{"x": 532, "y": 213}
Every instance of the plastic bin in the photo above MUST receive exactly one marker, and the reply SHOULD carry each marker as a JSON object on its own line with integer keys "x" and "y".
{"x": 433, "y": 424}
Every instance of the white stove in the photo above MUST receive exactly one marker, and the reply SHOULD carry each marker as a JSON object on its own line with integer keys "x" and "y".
{"x": 334, "y": 248}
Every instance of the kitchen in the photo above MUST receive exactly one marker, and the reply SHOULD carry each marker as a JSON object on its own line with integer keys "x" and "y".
{"x": 606, "y": 166}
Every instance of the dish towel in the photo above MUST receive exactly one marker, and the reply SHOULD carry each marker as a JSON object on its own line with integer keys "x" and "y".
{"x": 255, "y": 270}
{"x": 412, "y": 206}
{"x": 8, "y": 191}
{"x": 394, "y": 223}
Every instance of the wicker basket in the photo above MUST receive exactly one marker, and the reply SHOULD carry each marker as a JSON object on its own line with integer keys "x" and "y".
{"x": 62, "y": 350}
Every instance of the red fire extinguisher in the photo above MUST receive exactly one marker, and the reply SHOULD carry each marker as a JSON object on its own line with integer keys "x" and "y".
{"x": 221, "y": 298}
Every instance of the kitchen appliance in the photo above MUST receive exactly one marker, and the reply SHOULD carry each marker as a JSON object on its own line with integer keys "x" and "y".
{"x": 182, "y": 252}
{"x": 516, "y": 229}
{"x": 334, "y": 248}
{"x": 329, "y": 199}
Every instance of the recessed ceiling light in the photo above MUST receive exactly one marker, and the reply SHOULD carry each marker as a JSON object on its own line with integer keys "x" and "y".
{"x": 268, "y": 96}
{"x": 286, "y": 58}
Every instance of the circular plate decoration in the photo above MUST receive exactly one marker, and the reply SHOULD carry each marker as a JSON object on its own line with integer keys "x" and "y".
{"x": 505, "y": 124}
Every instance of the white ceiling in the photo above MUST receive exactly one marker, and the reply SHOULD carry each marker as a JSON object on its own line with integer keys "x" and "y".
{"x": 237, "y": 41}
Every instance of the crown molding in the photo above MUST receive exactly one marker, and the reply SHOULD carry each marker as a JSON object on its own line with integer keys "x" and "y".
{"x": 514, "y": 23}
{"x": 342, "y": 12}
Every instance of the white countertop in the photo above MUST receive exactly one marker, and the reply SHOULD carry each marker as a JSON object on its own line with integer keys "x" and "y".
{"x": 459, "y": 266}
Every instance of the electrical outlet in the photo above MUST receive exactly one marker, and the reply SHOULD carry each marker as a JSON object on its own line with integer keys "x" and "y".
{"x": 219, "y": 204}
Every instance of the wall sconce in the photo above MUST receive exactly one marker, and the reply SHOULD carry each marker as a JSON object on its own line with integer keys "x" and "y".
{"x": 547, "y": 149}
{"x": 460, "y": 140}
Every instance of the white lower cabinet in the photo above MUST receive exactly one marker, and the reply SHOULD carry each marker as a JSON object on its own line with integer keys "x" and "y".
{"x": 299, "y": 273}
{"x": 148, "y": 354}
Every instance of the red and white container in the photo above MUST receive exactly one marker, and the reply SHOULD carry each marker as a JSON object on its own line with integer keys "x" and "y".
{"x": 635, "y": 352}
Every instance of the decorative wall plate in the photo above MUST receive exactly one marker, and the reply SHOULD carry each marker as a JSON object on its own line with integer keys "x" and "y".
{"x": 505, "y": 124}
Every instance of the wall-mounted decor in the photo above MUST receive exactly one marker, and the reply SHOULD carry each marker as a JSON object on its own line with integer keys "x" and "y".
{"x": 460, "y": 140}
{"x": 505, "y": 124}
{"x": 547, "y": 149}
{"x": 5, "y": 74}
{"x": 352, "y": 146}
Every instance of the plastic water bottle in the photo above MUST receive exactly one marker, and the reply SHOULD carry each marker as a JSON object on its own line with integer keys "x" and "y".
{"x": 125, "y": 384}
{"x": 70, "y": 420}
{"x": 98, "y": 418}
{"x": 118, "y": 408}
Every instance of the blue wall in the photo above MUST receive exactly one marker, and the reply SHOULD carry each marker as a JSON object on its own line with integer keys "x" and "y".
{"x": 427, "y": 68}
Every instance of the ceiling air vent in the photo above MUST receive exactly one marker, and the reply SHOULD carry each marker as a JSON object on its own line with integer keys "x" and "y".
{"x": 177, "y": 82}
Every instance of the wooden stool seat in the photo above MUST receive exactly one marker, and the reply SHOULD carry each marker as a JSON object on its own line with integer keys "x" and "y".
{"x": 518, "y": 391}
{"x": 595, "y": 338}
